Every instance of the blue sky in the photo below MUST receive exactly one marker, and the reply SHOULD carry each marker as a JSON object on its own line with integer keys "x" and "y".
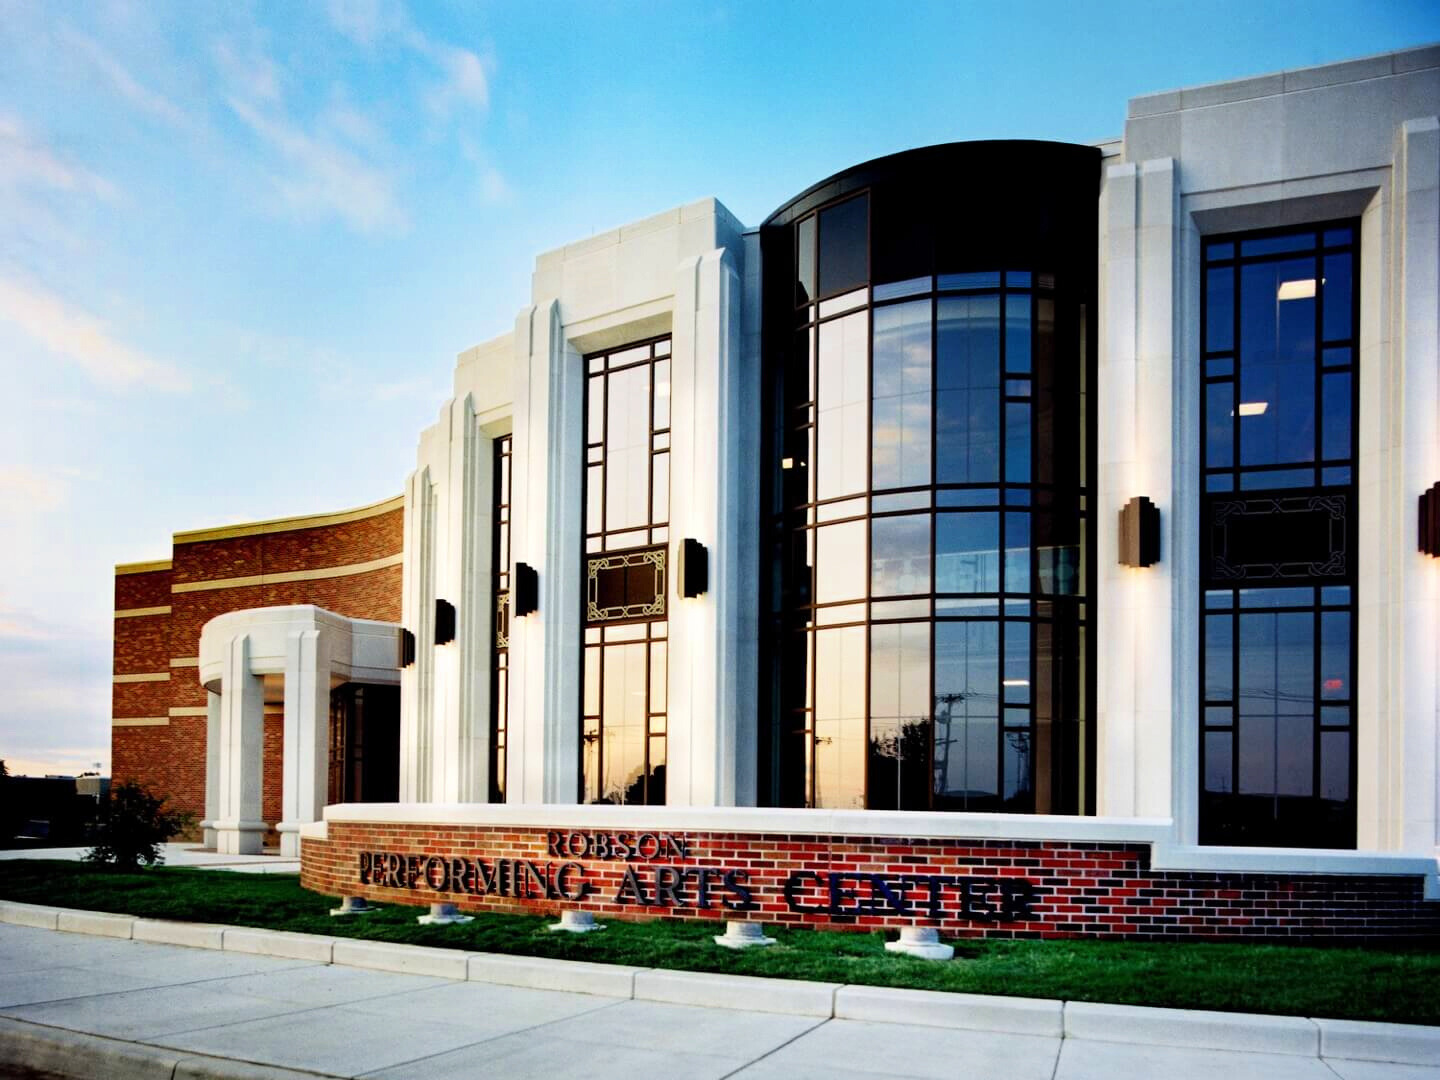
{"x": 240, "y": 245}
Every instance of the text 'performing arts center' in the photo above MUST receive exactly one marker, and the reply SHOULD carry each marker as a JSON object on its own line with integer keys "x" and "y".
{"x": 1016, "y": 537}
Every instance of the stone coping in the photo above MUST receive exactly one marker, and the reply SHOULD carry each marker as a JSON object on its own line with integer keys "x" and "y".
{"x": 1297, "y": 1036}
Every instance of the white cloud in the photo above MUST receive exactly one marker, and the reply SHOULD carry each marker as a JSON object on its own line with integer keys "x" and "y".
{"x": 26, "y": 162}
{"x": 254, "y": 74}
{"x": 324, "y": 176}
{"x": 67, "y": 331}
{"x": 141, "y": 96}
{"x": 466, "y": 80}
{"x": 38, "y": 490}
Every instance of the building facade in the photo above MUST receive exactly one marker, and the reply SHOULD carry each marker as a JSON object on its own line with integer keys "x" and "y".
{"x": 1041, "y": 494}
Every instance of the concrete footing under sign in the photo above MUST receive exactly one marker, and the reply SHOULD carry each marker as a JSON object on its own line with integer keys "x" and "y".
{"x": 577, "y": 922}
{"x": 444, "y": 915}
{"x": 352, "y": 905}
{"x": 922, "y": 942}
{"x": 743, "y": 935}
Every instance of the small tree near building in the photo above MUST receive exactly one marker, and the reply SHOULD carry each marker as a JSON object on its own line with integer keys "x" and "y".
{"x": 132, "y": 826}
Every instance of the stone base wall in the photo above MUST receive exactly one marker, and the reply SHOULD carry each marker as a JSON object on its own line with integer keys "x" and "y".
{"x": 965, "y": 888}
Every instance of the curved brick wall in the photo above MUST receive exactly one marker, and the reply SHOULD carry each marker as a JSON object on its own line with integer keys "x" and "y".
{"x": 158, "y": 705}
{"x": 964, "y": 887}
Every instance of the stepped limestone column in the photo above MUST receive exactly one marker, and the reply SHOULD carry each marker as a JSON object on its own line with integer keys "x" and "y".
{"x": 306, "y": 760}
{"x": 240, "y": 828}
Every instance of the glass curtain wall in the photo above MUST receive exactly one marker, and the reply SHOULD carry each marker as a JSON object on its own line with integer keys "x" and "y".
{"x": 500, "y": 576}
{"x": 928, "y": 519}
{"x": 1280, "y": 413}
{"x": 627, "y": 513}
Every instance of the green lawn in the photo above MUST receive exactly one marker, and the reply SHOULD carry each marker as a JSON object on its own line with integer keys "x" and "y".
{"x": 1396, "y": 984}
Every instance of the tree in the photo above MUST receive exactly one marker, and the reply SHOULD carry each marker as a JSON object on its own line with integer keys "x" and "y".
{"x": 132, "y": 825}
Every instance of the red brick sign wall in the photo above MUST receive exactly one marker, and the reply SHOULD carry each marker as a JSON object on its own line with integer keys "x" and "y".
{"x": 979, "y": 888}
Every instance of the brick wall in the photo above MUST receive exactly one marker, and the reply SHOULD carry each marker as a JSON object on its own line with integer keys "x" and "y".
{"x": 170, "y": 758}
{"x": 986, "y": 888}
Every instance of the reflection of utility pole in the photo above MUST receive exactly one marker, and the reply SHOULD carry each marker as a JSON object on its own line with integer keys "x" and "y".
{"x": 1020, "y": 742}
{"x": 944, "y": 739}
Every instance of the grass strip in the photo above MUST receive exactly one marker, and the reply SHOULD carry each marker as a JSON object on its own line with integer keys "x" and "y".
{"x": 1392, "y": 984}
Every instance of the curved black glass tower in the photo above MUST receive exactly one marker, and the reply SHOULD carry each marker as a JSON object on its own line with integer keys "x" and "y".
{"x": 928, "y": 346}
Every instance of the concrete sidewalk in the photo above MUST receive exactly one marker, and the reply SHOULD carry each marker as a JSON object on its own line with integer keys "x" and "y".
{"x": 185, "y": 853}
{"x": 83, "y": 1005}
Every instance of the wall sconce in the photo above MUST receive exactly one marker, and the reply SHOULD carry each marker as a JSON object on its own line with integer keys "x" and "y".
{"x": 694, "y": 569}
{"x": 444, "y": 622}
{"x": 1139, "y": 533}
{"x": 407, "y": 648}
{"x": 1430, "y": 521}
{"x": 525, "y": 591}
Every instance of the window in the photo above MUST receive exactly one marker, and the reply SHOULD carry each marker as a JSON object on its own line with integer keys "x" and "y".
{"x": 1279, "y": 410}
{"x": 928, "y": 610}
{"x": 625, "y": 573}
{"x": 500, "y": 670}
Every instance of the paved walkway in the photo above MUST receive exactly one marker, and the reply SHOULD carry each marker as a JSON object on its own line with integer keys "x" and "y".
{"x": 170, "y": 1011}
{"x": 182, "y": 854}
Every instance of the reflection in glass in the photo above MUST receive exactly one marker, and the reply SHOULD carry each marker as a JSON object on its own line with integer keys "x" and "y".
{"x": 967, "y": 714}
{"x": 843, "y": 406}
{"x": 967, "y": 382}
{"x": 967, "y": 553}
{"x": 900, "y": 428}
{"x": 840, "y": 718}
{"x": 627, "y": 493}
{"x": 899, "y": 752}
{"x": 900, "y": 555}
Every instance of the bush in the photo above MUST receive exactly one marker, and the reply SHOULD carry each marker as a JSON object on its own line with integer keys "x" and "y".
{"x": 132, "y": 825}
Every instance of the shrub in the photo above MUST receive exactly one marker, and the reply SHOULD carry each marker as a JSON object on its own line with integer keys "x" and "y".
{"x": 131, "y": 827}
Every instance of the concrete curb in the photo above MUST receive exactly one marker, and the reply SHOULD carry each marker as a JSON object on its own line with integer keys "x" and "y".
{"x": 1192, "y": 1028}
{"x": 73, "y": 1053}
{"x": 793, "y": 996}
{"x": 1410, "y": 1044}
{"x": 936, "y": 1008}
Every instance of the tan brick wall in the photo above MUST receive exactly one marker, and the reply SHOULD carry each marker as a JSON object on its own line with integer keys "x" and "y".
{"x": 171, "y": 759}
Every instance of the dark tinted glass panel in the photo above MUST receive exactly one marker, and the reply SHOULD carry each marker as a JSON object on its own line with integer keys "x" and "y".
{"x": 1219, "y": 659}
{"x": 844, "y": 246}
{"x": 1337, "y": 297}
{"x": 1270, "y": 245}
{"x": 1220, "y": 310}
{"x": 805, "y": 261}
{"x": 1017, "y": 553}
{"x": 1220, "y": 424}
{"x": 1017, "y": 442}
{"x": 1277, "y": 363}
{"x": 1335, "y": 417}
{"x": 1017, "y": 332}
{"x": 967, "y": 553}
{"x": 967, "y": 383}
{"x": 900, "y": 555}
{"x": 1219, "y": 765}
{"x": 1335, "y": 765}
{"x": 1335, "y": 655}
